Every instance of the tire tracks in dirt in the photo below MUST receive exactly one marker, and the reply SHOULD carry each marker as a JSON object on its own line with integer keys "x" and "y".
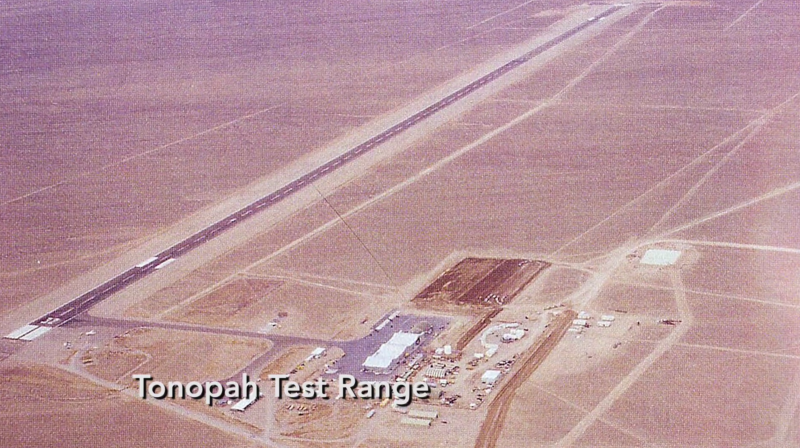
{"x": 493, "y": 424}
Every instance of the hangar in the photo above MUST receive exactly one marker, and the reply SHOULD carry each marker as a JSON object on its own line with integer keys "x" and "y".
{"x": 391, "y": 350}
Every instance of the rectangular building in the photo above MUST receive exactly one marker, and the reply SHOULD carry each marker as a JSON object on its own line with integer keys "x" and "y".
{"x": 490, "y": 377}
{"x": 391, "y": 350}
{"x": 415, "y": 421}
{"x": 420, "y": 413}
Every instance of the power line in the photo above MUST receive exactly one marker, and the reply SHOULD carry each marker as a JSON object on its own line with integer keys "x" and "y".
{"x": 360, "y": 241}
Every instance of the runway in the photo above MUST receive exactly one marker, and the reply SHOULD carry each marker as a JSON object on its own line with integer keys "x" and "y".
{"x": 84, "y": 302}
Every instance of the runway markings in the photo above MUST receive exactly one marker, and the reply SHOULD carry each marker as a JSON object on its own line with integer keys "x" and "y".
{"x": 122, "y": 280}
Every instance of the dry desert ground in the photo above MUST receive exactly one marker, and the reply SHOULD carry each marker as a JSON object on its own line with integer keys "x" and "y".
{"x": 588, "y": 138}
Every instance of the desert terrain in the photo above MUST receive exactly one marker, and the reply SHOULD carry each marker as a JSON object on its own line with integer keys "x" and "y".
{"x": 619, "y": 134}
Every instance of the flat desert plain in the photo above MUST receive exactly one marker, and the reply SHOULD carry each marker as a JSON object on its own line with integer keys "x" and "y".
{"x": 654, "y": 126}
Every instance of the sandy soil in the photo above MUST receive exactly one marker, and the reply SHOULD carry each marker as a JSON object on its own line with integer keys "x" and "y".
{"x": 286, "y": 361}
{"x": 675, "y": 126}
{"x": 556, "y": 283}
{"x": 766, "y": 223}
{"x": 231, "y": 302}
{"x": 96, "y": 114}
{"x": 180, "y": 356}
{"x": 745, "y": 411}
{"x": 745, "y": 326}
{"x": 308, "y": 310}
{"x": 339, "y": 421}
{"x": 759, "y": 275}
{"x": 36, "y": 395}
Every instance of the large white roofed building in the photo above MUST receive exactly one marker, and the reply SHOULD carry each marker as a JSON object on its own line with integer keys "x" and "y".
{"x": 391, "y": 350}
{"x": 404, "y": 339}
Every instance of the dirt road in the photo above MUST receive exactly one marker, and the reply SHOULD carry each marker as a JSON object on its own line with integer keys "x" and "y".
{"x": 498, "y": 408}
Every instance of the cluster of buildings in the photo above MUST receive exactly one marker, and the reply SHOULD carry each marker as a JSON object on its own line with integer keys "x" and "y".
{"x": 583, "y": 318}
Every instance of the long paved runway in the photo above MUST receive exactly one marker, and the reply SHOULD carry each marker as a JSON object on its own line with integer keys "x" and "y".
{"x": 85, "y": 301}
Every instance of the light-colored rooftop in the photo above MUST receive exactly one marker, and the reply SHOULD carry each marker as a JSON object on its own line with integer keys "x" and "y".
{"x": 422, "y": 413}
{"x": 244, "y": 403}
{"x": 415, "y": 421}
{"x": 391, "y": 350}
{"x": 490, "y": 376}
{"x": 660, "y": 257}
{"x": 404, "y": 339}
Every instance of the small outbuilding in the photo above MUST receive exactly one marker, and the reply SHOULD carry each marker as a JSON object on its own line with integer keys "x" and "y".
{"x": 420, "y": 413}
{"x": 415, "y": 421}
{"x": 316, "y": 353}
{"x": 490, "y": 377}
{"x": 513, "y": 334}
{"x": 243, "y": 404}
{"x": 436, "y": 372}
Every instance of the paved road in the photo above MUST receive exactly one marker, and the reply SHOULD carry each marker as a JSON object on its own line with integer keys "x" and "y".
{"x": 356, "y": 349}
{"x": 85, "y": 301}
{"x": 88, "y": 321}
